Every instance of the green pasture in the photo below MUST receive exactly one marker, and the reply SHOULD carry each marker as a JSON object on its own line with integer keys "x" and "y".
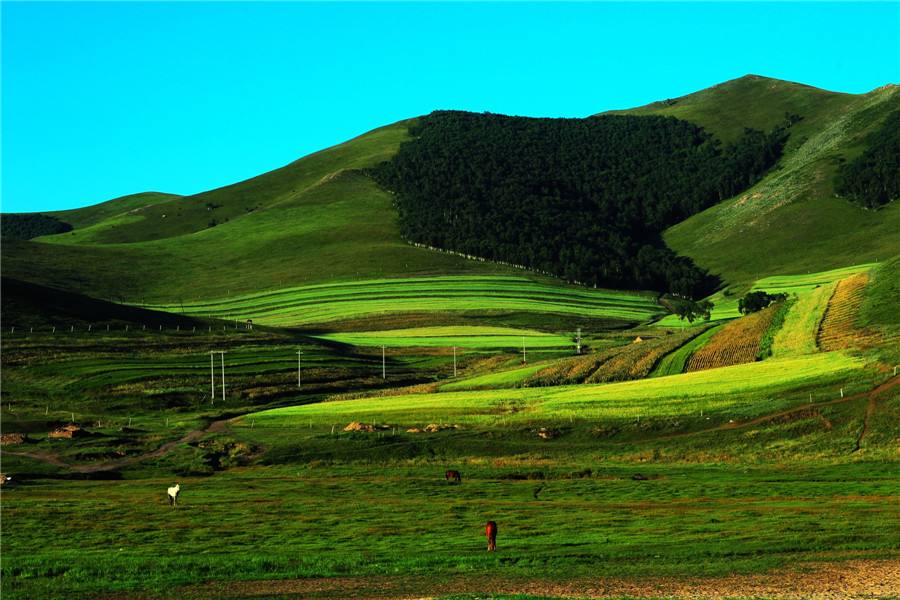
{"x": 740, "y": 390}
{"x": 498, "y": 379}
{"x": 400, "y": 520}
{"x": 355, "y": 299}
{"x": 318, "y": 219}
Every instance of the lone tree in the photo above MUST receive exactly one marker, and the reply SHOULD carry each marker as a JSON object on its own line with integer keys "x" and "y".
{"x": 755, "y": 301}
{"x": 691, "y": 310}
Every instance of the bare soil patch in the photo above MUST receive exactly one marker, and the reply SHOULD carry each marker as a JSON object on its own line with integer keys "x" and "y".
{"x": 815, "y": 581}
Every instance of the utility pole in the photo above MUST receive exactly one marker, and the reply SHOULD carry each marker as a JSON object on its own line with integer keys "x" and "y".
{"x": 383, "y": 369}
{"x": 523, "y": 351}
{"x": 454, "y": 361}
{"x": 222, "y": 355}
{"x": 578, "y": 342}
{"x": 299, "y": 353}
{"x": 212, "y": 374}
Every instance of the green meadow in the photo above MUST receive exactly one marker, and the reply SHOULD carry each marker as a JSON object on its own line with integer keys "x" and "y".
{"x": 738, "y": 391}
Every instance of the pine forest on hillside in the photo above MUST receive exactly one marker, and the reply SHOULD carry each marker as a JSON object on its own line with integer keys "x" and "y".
{"x": 571, "y": 197}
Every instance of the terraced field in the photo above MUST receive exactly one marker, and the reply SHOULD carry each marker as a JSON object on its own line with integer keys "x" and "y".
{"x": 153, "y": 368}
{"x": 500, "y": 379}
{"x": 354, "y": 299}
{"x": 459, "y": 336}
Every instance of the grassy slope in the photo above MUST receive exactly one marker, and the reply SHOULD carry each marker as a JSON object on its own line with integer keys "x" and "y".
{"x": 314, "y": 220}
{"x": 747, "y": 237}
{"x": 96, "y": 213}
{"x": 27, "y": 305}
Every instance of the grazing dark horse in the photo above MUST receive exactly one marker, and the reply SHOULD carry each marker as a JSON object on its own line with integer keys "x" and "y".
{"x": 490, "y": 530}
{"x": 453, "y": 476}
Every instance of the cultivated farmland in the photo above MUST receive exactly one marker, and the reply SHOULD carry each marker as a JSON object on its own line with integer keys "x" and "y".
{"x": 460, "y": 336}
{"x": 838, "y": 329}
{"x": 735, "y": 343}
{"x": 719, "y": 391}
{"x": 354, "y": 299}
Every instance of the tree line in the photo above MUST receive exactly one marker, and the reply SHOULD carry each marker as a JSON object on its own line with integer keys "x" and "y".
{"x": 584, "y": 199}
{"x": 873, "y": 178}
{"x": 25, "y": 226}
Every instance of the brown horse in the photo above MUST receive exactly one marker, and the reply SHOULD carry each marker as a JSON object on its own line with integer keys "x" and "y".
{"x": 453, "y": 476}
{"x": 490, "y": 530}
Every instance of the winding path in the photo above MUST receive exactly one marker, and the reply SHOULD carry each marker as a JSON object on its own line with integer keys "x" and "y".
{"x": 112, "y": 465}
{"x": 872, "y": 395}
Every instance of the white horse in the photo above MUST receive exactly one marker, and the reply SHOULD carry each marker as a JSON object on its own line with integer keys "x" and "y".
{"x": 173, "y": 494}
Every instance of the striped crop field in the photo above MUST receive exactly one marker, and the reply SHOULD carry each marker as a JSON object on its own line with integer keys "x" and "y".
{"x": 675, "y": 362}
{"x": 639, "y": 358}
{"x": 838, "y": 329}
{"x": 726, "y": 307}
{"x": 736, "y": 343}
{"x": 633, "y": 360}
{"x": 738, "y": 391}
{"x": 460, "y": 336}
{"x": 355, "y": 299}
{"x": 150, "y": 371}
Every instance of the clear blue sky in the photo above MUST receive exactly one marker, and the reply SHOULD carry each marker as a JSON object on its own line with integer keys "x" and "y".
{"x": 105, "y": 99}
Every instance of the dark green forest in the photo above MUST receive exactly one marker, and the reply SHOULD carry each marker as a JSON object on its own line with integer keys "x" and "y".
{"x": 30, "y": 225}
{"x": 582, "y": 199}
{"x": 873, "y": 178}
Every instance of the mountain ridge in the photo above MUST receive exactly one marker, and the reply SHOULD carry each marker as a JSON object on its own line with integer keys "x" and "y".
{"x": 320, "y": 218}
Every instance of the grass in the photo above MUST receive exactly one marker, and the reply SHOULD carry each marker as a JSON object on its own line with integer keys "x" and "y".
{"x": 500, "y": 379}
{"x": 120, "y": 535}
{"x": 879, "y": 307}
{"x": 317, "y": 219}
{"x": 801, "y": 324}
{"x": 281, "y": 494}
{"x": 134, "y": 203}
{"x": 355, "y": 299}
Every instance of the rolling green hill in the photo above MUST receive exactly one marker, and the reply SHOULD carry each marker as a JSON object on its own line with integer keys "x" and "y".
{"x": 791, "y": 222}
{"x": 318, "y": 219}
{"x": 321, "y": 219}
